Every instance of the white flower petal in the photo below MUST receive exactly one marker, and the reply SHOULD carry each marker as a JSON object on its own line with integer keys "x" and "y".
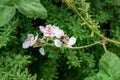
{"x": 42, "y": 52}
{"x": 30, "y": 41}
{"x": 26, "y": 44}
{"x": 33, "y": 41}
{"x": 42, "y": 29}
{"x": 57, "y": 43}
{"x": 59, "y": 33}
{"x": 36, "y": 37}
{"x": 71, "y": 41}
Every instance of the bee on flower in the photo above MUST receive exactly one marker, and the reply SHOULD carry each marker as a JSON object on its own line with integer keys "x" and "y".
{"x": 64, "y": 40}
{"x": 49, "y": 31}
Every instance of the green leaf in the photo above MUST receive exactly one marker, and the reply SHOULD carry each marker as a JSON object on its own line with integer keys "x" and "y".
{"x": 6, "y": 12}
{"x": 109, "y": 68}
{"x": 32, "y": 8}
{"x": 5, "y": 2}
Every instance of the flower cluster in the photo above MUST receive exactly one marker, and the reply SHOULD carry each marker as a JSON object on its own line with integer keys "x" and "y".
{"x": 49, "y": 31}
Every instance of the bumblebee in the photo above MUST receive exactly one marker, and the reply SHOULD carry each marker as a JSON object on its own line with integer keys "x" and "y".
{"x": 64, "y": 39}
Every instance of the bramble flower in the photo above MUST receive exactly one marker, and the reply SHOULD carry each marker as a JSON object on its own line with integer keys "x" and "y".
{"x": 30, "y": 41}
{"x": 42, "y": 52}
{"x": 49, "y": 30}
{"x": 65, "y": 40}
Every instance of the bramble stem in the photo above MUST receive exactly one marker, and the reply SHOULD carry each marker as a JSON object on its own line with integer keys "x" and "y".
{"x": 80, "y": 47}
{"x": 86, "y": 46}
{"x": 73, "y": 8}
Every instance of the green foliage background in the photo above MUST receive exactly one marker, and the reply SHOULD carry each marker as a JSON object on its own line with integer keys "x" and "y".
{"x": 17, "y": 63}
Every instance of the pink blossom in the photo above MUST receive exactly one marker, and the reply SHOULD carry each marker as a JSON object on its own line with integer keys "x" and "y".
{"x": 49, "y": 30}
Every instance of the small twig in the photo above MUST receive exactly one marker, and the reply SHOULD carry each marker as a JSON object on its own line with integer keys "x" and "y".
{"x": 104, "y": 45}
{"x": 86, "y": 46}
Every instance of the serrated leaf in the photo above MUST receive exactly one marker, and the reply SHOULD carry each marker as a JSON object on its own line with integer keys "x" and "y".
{"x": 109, "y": 68}
{"x": 110, "y": 65}
{"x": 32, "y": 8}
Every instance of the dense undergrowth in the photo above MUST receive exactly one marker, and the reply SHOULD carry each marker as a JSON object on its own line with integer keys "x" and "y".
{"x": 94, "y": 24}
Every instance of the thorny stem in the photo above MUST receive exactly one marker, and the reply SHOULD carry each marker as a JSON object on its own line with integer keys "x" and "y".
{"x": 73, "y": 8}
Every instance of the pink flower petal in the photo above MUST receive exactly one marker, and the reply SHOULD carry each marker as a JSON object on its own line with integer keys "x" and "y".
{"x": 42, "y": 29}
{"x": 51, "y": 31}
